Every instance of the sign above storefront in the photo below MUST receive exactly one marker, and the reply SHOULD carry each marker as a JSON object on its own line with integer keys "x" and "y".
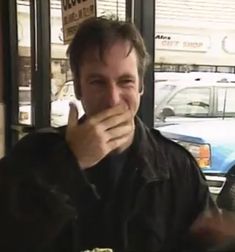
{"x": 228, "y": 44}
{"x": 73, "y": 13}
{"x": 182, "y": 42}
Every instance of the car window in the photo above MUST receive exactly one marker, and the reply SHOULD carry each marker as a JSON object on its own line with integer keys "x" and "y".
{"x": 226, "y": 101}
{"x": 162, "y": 90}
{"x": 67, "y": 92}
{"x": 191, "y": 102}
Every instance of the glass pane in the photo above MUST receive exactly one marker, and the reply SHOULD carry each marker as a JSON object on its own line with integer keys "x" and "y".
{"x": 59, "y": 69}
{"x": 230, "y": 102}
{"x": 226, "y": 102}
{"x": 62, "y": 91}
{"x": 191, "y": 102}
{"x": 163, "y": 90}
{"x": 196, "y": 39}
{"x": 24, "y": 61}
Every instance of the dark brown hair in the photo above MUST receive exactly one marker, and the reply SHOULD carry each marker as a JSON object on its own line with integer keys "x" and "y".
{"x": 102, "y": 33}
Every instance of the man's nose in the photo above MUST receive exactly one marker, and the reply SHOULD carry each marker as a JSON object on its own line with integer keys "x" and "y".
{"x": 112, "y": 95}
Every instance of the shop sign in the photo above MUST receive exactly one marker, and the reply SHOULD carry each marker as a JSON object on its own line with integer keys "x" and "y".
{"x": 73, "y": 13}
{"x": 182, "y": 42}
{"x": 228, "y": 44}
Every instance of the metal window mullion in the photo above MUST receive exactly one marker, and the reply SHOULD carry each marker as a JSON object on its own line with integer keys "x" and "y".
{"x": 10, "y": 55}
{"x": 144, "y": 19}
{"x": 41, "y": 66}
{"x": 130, "y": 10}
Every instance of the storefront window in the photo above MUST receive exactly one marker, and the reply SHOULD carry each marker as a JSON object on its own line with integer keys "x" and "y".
{"x": 194, "y": 51}
{"x": 24, "y": 61}
{"x": 61, "y": 79}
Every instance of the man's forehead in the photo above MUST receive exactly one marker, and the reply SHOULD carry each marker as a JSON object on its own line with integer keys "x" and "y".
{"x": 99, "y": 53}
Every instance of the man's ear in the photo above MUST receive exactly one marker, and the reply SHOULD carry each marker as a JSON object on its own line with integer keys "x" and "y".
{"x": 141, "y": 88}
{"x": 77, "y": 89}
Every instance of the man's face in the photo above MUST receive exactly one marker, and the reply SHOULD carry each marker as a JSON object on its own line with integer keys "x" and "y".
{"x": 111, "y": 81}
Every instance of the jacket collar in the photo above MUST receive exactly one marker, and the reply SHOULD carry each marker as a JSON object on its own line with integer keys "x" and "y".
{"x": 148, "y": 156}
{"x": 146, "y": 153}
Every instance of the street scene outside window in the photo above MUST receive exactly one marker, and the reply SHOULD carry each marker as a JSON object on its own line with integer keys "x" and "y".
{"x": 195, "y": 86}
{"x": 24, "y": 59}
{"x": 61, "y": 80}
{"x": 194, "y": 78}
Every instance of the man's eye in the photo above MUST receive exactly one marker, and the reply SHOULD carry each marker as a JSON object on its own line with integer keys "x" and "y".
{"x": 127, "y": 81}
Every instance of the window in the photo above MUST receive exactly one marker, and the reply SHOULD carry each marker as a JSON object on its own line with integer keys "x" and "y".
{"x": 191, "y": 102}
{"x": 226, "y": 101}
{"x": 62, "y": 91}
{"x": 162, "y": 91}
{"x": 24, "y": 61}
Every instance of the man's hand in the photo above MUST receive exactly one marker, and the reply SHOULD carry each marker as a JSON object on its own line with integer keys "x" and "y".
{"x": 97, "y": 136}
{"x": 214, "y": 229}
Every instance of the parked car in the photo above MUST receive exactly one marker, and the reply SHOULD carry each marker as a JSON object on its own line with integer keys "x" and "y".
{"x": 59, "y": 107}
{"x": 193, "y": 100}
{"x": 174, "y": 76}
{"x": 212, "y": 143}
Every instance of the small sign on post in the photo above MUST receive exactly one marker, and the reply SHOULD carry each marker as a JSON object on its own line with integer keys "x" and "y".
{"x": 73, "y": 13}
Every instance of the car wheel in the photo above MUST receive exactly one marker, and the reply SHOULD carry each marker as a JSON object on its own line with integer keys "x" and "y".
{"x": 226, "y": 198}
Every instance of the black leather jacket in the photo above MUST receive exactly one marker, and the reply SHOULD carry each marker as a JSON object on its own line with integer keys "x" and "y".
{"x": 44, "y": 193}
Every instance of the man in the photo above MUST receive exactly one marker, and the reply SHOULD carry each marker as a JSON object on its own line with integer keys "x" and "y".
{"x": 105, "y": 181}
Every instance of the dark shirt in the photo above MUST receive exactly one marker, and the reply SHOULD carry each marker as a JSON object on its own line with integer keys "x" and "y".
{"x": 100, "y": 224}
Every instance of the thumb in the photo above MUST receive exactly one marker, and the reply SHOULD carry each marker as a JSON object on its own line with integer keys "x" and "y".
{"x": 73, "y": 115}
